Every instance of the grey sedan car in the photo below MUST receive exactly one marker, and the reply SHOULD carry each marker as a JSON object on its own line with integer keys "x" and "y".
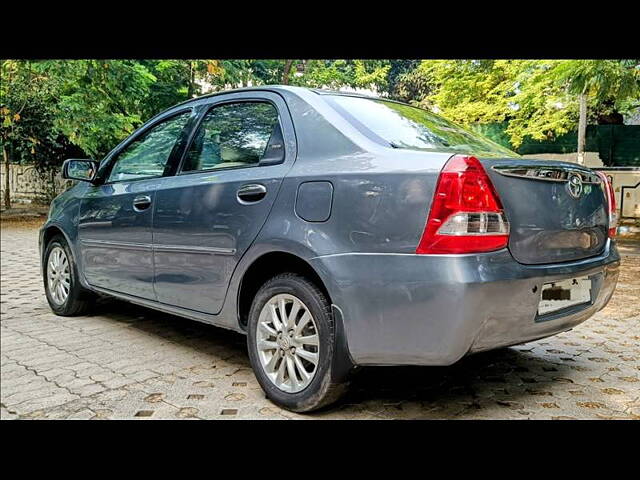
{"x": 335, "y": 230}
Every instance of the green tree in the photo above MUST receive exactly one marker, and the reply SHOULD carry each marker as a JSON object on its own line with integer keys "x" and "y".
{"x": 486, "y": 91}
{"x": 27, "y": 134}
{"x": 407, "y": 83}
{"x": 398, "y": 78}
{"x": 325, "y": 73}
{"x": 335, "y": 74}
{"x": 540, "y": 108}
{"x": 607, "y": 87}
{"x": 372, "y": 74}
{"x": 172, "y": 85}
{"x": 48, "y": 107}
{"x": 98, "y": 102}
{"x": 538, "y": 98}
{"x": 272, "y": 71}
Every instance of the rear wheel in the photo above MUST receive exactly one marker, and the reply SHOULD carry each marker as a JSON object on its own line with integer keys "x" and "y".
{"x": 65, "y": 295}
{"x": 291, "y": 343}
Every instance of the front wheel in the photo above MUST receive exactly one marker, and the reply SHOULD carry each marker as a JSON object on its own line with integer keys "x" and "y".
{"x": 291, "y": 342}
{"x": 65, "y": 295}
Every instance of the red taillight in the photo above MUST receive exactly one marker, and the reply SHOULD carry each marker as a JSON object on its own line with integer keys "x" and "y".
{"x": 466, "y": 214}
{"x": 611, "y": 203}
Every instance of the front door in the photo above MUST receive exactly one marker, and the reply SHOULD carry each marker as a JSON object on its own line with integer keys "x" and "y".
{"x": 115, "y": 217}
{"x": 207, "y": 216}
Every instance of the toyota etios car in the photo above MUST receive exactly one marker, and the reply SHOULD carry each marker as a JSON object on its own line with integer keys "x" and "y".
{"x": 335, "y": 230}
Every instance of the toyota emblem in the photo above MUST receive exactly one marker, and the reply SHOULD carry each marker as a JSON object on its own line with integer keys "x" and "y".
{"x": 574, "y": 185}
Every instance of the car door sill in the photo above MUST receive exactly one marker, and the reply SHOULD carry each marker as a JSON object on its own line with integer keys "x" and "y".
{"x": 171, "y": 309}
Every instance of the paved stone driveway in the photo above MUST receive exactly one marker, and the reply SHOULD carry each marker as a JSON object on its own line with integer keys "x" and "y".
{"x": 129, "y": 362}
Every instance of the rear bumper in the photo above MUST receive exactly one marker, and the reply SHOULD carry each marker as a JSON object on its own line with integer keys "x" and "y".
{"x": 401, "y": 309}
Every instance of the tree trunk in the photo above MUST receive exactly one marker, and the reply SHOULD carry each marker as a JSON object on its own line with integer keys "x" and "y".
{"x": 7, "y": 194}
{"x": 287, "y": 70}
{"x": 582, "y": 128}
{"x": 54, "y": 194}
{"x": 192, "y": 80}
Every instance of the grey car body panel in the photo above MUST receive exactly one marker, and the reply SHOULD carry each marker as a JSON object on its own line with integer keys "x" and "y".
{"x": 576, "y": 229}
{"x": 115, "y": 240}
{"x": 201, "y": 229}
{"x": 395, "y": 307}
{"x": 434, "y": 309}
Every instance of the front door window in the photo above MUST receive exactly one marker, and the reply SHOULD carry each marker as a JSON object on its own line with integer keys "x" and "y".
{"x": 147, "y": 156}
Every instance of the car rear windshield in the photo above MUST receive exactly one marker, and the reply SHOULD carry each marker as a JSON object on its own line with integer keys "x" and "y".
{"x": 404, "y": 126}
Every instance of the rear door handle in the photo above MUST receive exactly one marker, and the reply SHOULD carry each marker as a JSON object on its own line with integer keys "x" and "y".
{"x": 141, "y": 203}
{"x": 251, "y": 193}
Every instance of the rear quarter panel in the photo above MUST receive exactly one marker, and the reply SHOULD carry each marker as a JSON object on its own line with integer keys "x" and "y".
{"x": 381, "y": 196}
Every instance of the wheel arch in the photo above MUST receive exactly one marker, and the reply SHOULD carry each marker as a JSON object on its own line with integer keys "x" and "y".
{"x": 266, "y": 266}
{"x": 50, "y": 232}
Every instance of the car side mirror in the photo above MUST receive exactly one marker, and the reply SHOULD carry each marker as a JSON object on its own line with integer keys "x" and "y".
{"x": 77, "y": 169}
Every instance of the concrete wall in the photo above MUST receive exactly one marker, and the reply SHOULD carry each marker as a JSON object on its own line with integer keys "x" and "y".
{"x": 27, "y": 185}
{"x": 630, "y": 207}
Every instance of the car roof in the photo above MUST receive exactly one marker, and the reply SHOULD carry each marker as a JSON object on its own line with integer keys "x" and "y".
{"x": 275, "y": 88}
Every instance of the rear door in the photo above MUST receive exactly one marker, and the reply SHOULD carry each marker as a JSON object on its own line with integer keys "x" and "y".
{"x": 115, "y": 217}
{"x": 209, "y": 213}
{"x": 557, "y": 211}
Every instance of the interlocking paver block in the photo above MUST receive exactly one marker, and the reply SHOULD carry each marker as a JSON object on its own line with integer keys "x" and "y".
{"x": 124, "y": 360}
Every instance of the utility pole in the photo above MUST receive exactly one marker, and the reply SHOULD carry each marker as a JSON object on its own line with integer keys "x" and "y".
{"x": 582, "y": 127}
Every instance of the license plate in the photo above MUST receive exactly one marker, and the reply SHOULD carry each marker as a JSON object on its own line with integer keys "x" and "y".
{"x": 563, "y": 294}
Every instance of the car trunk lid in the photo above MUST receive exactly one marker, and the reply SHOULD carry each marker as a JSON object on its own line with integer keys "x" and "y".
{"x": 557, "y": 211}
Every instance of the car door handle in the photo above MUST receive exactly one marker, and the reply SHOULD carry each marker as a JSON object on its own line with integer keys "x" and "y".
{"x": 141, "y": 203}
{"x": 251, "y": 193}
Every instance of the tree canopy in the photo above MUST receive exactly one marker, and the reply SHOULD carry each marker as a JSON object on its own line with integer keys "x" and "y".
{"x": 49, "y": 107}
{"x": 537, "y": 97}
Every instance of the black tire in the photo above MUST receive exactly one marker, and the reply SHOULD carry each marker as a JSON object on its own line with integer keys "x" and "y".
{"x": 79, "y": 299}
{"x": 323, "y": 389}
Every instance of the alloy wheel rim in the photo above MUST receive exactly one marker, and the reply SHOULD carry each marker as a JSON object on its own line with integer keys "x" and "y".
{"x": 58, "y": 276}
{"x": 288, "y": 343}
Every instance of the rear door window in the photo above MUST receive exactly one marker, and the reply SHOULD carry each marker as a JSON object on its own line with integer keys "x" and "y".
{"x": 233, "y": 135}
